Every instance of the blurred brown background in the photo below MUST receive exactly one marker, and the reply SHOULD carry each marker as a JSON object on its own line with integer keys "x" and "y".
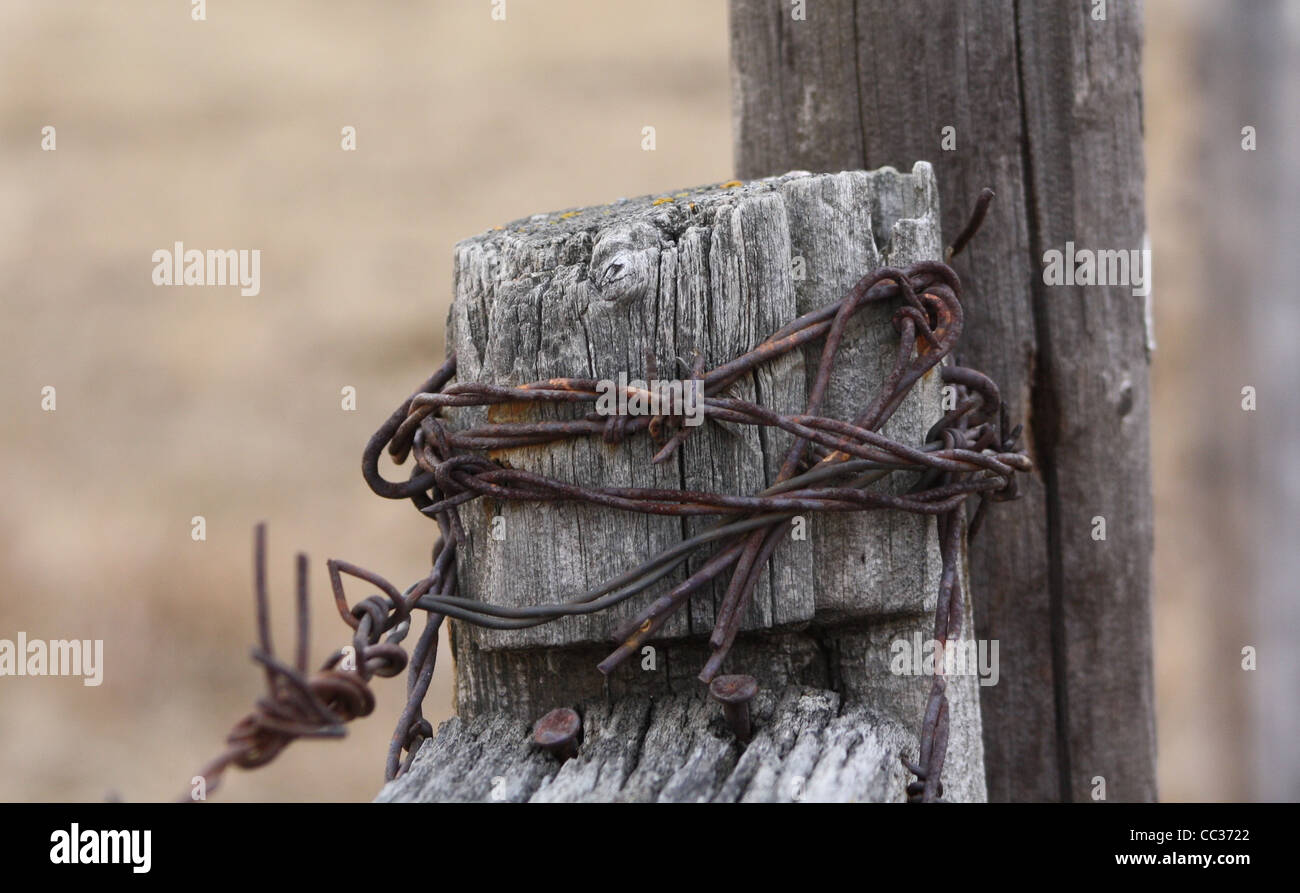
{"x": 175, "y": 402}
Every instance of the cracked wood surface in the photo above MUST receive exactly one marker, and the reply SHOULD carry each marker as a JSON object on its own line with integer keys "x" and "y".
{"x": 710, "y": 271}
{"x": 807, "y": 746}
{"x": 837, "y": 740}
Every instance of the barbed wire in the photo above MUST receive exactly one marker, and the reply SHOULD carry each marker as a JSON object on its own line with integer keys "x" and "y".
{"x": 832, "y": 463}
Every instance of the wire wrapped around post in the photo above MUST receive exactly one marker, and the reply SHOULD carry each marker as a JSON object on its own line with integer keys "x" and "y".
{"x": 830, "y": 467}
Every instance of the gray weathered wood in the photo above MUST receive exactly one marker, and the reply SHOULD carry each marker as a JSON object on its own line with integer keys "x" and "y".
{"x": 809, "y": 746}
{"x": 811, "y": 743}
{"x": 589, "y": 293}
{"x": 1045, "y": 103}
{"x": 586, "y": 292}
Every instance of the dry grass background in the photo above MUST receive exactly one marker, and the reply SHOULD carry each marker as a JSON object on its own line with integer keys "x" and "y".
{"x": 181, "y": 402}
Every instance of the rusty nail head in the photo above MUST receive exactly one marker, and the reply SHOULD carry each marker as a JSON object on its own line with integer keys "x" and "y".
{"x": 734, "y": 694}
{"x": 557, "y": 732}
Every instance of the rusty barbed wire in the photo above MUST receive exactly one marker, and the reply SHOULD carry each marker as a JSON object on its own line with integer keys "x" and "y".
{"x": 831, "y": 464}
{"x": 318, "y": 706}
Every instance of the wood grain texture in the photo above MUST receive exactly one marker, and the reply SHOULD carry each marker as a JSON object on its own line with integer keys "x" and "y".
{"x": 670, "y": 750}
{"x": 710, "y": 272}
{"x": 833, "y": 718}
{"x": 1045, "y": 106}
{"x": 811, "y": 743}
{"x": 590, "y": 293}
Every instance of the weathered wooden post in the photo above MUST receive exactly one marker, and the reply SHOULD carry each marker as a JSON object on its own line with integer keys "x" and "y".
{"x": 704, "y": 272}
{"x": 1041, "y": 101}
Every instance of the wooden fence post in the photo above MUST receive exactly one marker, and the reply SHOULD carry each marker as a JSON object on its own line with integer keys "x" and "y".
{"x": 1041, "y": 101}
{"x": 591, "y": 292}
